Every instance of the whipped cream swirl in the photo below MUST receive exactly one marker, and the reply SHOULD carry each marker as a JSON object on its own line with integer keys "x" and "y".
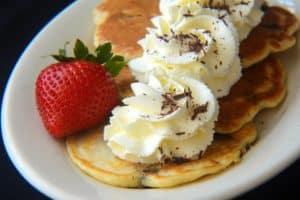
{"x": 191, "y": 57}
{"x": 202, "y": 46}
{"x": 164, "y": 120}
{"x": 245, "y": 14}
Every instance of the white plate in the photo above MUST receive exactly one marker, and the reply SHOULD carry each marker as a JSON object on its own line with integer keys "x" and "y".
{"x": 44, "y": 162}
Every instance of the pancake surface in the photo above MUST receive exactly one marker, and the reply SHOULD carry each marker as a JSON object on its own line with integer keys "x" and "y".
{"x": 261, "y": 86}
{"x": 123, "y": 81}
{"x": 123, "y": 23}
{"x": 90, "y": 153}
{"x": 273, "y": 34}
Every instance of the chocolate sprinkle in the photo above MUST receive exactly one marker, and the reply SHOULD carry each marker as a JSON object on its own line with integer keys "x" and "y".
{"x": 180, "y": 133}
{"x": 179, "y": 96}
{"x": 207, "y": 31}
{"x": 188, "y": 14}
{"x": 218, "y": 6}
{"x": 194, "y": 43}
{"x": 198, "y": 110}
{"x": 200, "y": 154}
{"x": 222, "y": 17}
{"x": 177, "y": 160}
{"x": 169, "y": 104}
{"x": 187, "y": 93}
{"x": 243, "y": 3}
{"x": 161, "y": 150}
{"x": 163, "y": 38}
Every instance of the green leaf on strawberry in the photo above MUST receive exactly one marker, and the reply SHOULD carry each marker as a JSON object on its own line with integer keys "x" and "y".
{"x": 80, "y": 50}
{"x": 63, "y": 52}
{"x": 103, "y": 55}
{"x": 114, "y": 67}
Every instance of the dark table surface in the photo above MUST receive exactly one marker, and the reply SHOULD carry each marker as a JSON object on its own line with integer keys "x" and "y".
{"x": 20, "y": 21}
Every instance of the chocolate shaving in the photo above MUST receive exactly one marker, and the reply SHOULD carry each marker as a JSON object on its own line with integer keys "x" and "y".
{"x": 198, "y": 110}
{"x": 188, "y": 93}
{"x": 191, "y": 40}
{"x": 177, "y": 160}
{"x": 163, "y": 38}
{"x": 179, "y": 96}
{"x": 242, "y": 3}
{"x": 172, "y": 31}
{"x": 218, "y": 6}
{"x": 168, "y": 104}
{"x": 180, "y": 133}
{"x": 188, "y": 14}
{"x": 161, "y": 151}
{"x": 222, "y": 17}
{"x": 187, "y": 104}
{"x": 200, "y": 154}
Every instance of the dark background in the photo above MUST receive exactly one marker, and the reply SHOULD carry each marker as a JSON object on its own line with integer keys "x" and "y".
{"x": 20, "y": 21}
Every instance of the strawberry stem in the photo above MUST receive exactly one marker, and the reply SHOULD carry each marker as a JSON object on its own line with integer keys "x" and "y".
{"x": 102, "y": 55}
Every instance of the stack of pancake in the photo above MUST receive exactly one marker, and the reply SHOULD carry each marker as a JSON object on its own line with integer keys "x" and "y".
{"x": 263, "y": 85}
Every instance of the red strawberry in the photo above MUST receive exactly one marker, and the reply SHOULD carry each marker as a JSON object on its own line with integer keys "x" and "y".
{"x": 78, "y": 93}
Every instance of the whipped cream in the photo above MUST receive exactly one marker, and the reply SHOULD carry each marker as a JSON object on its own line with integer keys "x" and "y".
{"x": 191, "y": 57}
{"x": 245, "y": 14}
{"x": 202, "y": 46}
{"x": 166, "y": 119}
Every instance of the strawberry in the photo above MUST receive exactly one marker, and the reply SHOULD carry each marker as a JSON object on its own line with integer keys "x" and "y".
{"x": 78, "y": 93}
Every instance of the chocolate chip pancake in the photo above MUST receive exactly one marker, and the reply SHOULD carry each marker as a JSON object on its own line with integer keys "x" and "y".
{"x": 261, "y": 86}
{"x": 123, "y": 23}
{"x": 274, "y": 34}
{"x": 91, "y": 154}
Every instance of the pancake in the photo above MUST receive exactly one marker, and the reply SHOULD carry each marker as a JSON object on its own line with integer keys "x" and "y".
{"x": 90, "y": 153}
{"x": 123, "y": 23}
{"x": 274, "y": 34}
{"x": 123, "y": 81}
{"x": 261, "y": 86}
